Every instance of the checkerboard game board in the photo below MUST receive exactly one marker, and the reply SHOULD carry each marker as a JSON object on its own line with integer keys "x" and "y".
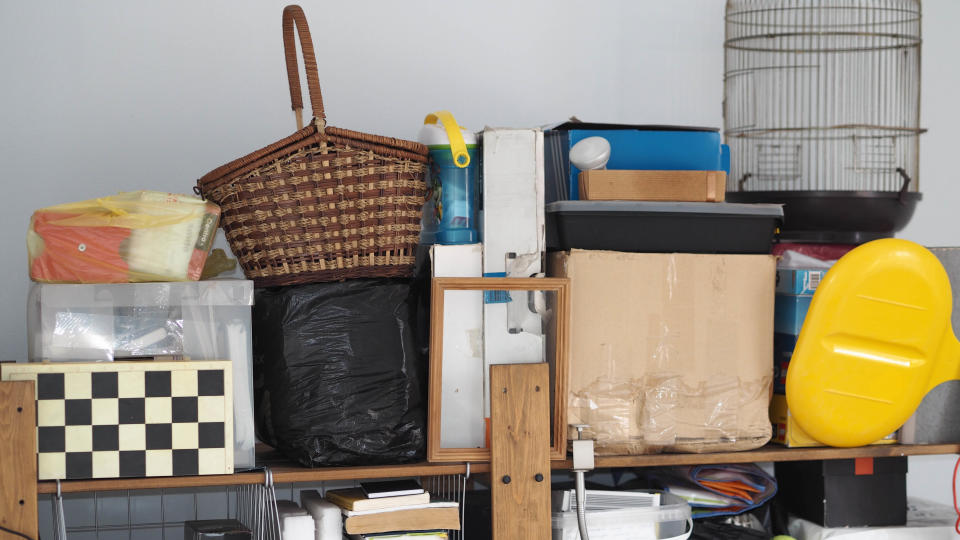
{"x": 131, "y": 419}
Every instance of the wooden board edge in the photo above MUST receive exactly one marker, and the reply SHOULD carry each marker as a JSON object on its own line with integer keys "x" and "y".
{"x": 18, "y": 452}
{"x": 435, "y": 371}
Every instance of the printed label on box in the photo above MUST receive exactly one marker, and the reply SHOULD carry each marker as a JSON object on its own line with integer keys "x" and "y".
{"x": 798, "y": 281}
{"x": 496, "y": 297}
{"x": 783, "y": 346}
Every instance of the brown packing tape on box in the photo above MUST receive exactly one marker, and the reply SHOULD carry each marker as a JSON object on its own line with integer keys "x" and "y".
{"x": 623, "y": 185}
{"x": 669, "y": 351}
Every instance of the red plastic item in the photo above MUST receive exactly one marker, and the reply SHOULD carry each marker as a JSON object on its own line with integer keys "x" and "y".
{"x": 78, "y": 254}
{"x": 824, "y": 252}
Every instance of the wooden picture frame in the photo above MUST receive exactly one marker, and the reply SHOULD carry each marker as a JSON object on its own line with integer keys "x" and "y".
{"x": 560, "y": 327}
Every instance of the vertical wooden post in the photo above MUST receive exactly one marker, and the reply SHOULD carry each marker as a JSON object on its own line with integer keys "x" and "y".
{"x": 520, "y": 451}
{"x": 18, "y": 459}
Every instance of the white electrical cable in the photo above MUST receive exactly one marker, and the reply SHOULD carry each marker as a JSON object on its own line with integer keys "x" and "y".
{"x": 582, "y": 506}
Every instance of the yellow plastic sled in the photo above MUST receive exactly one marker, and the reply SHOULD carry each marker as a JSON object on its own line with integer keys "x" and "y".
{"x": 876, "y": 339}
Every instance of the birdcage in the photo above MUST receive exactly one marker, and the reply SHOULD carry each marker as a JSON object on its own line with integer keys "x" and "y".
{"x": 822, "y": 112}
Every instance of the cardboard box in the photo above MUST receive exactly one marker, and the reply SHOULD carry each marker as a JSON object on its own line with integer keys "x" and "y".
{"x": 463, "y": 421}
{"x": 788, "y": 433}
{"x": 513, "y": 230}
{"x": 669, "y": 352}
{"x": 783, "y": 346}
{"x": 790, "y": 310}
{"x": 632, "y": 147}
{"x": 798, "y": 281}
{"x": 861, "y": 492}
{"x": 693, "y": 186}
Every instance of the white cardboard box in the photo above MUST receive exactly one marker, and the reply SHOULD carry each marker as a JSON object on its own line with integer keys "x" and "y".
{"x": 512, "y": 223}
{"x": 462, "y": 421}
{"x": 513, "y": 236}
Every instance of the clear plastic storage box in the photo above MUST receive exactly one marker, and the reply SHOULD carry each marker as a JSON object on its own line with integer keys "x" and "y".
{"x": 202, "y": 320}
{"x": 669, "y": 521}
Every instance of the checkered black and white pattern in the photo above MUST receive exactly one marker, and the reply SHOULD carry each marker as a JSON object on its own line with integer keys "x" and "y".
{"x": 133, "y": 422}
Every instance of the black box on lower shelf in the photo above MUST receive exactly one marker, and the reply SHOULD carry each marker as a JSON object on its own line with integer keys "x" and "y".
{"x": 861, "y": 492}
{"x": 215, "y": 529}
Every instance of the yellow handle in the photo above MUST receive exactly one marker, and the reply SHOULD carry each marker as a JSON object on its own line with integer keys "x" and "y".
{"x": 461, "y": 158}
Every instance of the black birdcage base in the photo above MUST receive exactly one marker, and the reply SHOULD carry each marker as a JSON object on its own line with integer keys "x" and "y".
{"x": 836, "y": 217}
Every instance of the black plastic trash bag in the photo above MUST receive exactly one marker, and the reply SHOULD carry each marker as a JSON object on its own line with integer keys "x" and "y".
{"x": 337, "y": 372}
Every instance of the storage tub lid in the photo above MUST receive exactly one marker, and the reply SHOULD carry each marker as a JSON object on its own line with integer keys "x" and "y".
{"x": 672, "y": 508}
{"x": 660, "y": 207}
{"x": 214, "y": 292}
{"x": 595, "y": 126}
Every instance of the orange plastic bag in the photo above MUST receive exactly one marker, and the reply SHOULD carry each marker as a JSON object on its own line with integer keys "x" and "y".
{"x": 128, "y": 237}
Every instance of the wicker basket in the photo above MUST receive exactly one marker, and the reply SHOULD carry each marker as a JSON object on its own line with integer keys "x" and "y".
{"x": 325, "y": 203}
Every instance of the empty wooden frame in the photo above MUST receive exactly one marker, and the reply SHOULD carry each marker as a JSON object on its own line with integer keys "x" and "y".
{"x": 556, "y": 332}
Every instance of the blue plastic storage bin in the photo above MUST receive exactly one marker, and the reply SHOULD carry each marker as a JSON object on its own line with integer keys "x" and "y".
{"x": 632, "y": 147}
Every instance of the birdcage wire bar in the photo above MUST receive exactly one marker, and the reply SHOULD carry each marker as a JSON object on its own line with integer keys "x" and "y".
{"x": 823, "y": 95}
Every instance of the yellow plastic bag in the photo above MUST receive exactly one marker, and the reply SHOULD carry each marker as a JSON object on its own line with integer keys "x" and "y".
{"x": 127, "y": 237}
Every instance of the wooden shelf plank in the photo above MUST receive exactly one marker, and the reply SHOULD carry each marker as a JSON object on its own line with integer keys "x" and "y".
{"x": 770, "y": 453}
{"x": 121, "y": 484}
{"x": 285, "y": 473}
{"x": 299, "y": 474}
{"x": 18, "y": 465}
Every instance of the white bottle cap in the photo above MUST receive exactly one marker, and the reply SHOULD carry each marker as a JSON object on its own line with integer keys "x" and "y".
{"x": 590, "y": 154}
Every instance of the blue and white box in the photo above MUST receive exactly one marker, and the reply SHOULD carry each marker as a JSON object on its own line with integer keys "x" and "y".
{"x": 632, "y": 147}
{"x": 789, "y": 311}
{"x": 799, "y": 281}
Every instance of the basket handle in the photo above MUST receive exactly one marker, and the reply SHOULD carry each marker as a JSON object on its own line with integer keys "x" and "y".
{"x": 293, "y": 17}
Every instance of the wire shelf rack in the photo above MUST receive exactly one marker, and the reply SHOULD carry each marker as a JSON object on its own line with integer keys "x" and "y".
{"x": 160, "y": 514}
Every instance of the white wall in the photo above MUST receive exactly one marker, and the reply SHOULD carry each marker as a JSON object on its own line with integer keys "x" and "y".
{"x": 99, "y": 97}
{"x": 109, "y": 96}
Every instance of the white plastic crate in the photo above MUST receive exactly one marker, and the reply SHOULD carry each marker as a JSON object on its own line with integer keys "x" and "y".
{"x": 669, "y": 521}
{"x": 203, "y": 320}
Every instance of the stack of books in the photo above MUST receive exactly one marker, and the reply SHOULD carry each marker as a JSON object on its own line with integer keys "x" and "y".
{"x": 394, "y": 510}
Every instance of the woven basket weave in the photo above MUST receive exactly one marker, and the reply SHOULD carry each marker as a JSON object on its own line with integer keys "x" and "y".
{"x": 325, "y": 203}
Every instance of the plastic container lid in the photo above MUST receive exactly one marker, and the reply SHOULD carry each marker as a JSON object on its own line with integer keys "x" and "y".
{"x": 660, "y": 207}
{"x": 590, "y": 154}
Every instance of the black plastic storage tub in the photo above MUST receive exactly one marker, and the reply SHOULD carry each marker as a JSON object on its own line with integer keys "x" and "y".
{"x": 662, "y": 227}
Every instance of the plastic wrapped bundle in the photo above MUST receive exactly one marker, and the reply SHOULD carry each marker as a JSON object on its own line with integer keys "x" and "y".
{"x": 337, "y": 372}
{"x": 127, "y": 237}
